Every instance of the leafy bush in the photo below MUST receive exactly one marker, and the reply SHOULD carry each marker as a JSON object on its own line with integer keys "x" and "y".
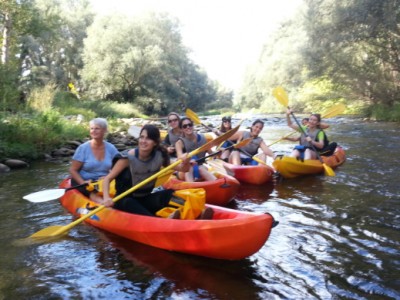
{"x": 31, "y": 136}
{"x": 382, "y": 112}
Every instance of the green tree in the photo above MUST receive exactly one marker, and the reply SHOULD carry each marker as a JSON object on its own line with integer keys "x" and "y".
{"x": 356, "y": 44}
{"x": 143, "y": 61}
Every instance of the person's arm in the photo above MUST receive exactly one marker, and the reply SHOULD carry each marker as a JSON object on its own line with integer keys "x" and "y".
{"x": 119, "y": 166}
{"x": 179, "y": 148}
{"x": 317, "y": 144}
{"x": 292, "y": 139}
{"x": 323, "y": 125}
{"x": 74, "y": 171}
{"x": 267, "y": 151}
{"x": 289, "y": 120}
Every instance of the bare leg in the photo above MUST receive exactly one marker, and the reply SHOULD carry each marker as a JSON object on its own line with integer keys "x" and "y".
{"x": 234, "y": 158}
{"x": 207, "y": 176}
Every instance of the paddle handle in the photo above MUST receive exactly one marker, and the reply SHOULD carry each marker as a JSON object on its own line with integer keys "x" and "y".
{"x": 77, "y": 186}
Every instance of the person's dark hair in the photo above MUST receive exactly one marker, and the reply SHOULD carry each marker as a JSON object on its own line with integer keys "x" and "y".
{"x": 256, "y": 122}
{"x": 318, "y": 116}
{"x": 222, "y": 127}
{"x": 184, "y": 119}
{"x": 153, "y": 133}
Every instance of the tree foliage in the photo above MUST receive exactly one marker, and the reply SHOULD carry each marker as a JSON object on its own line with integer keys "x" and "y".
{"x": 143, "y": 60}
{"x": 332, "y": 50}
{"x": 357, "y": 44}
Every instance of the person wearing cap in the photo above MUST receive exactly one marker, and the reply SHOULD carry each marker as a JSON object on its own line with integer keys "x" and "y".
{"x": 226, "y": 125}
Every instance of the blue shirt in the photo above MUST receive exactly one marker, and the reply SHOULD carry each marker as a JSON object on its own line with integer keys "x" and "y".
{"x": 93, "y": 168}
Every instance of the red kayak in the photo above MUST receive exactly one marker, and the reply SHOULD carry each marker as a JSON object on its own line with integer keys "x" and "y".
{"x": 258, "y": 174}
{"x": 230, "y": 235}
{"x": 218, "y": 192}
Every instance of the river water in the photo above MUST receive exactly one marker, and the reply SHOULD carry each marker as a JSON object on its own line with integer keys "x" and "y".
{"x": 338, "y": 237}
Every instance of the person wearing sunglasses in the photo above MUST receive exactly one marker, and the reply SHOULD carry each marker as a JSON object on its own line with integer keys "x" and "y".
{"x": 174, "y": 133}
{"x": 239, "y": 157}
{"x": 189, "y": 141}
{"x": 226, "y": 125}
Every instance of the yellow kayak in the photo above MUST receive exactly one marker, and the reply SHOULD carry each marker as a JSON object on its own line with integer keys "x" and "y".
{"x": 291, "y": 167}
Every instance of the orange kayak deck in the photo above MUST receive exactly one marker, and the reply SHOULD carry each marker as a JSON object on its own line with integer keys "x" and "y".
{"x": 230, "y": 235}
{"x": 218, "y": 192}
{"x": 291, "y": 167}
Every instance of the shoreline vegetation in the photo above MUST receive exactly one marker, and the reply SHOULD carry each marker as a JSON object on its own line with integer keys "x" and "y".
{"x": 52, "y": 130}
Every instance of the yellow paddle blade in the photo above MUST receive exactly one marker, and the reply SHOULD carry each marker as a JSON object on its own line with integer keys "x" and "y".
{"x": 280, "y": 94}
{"x": 193, "y": 116}
{"x": 334, "y": 111}
{"x": 47, "y": 232}
{"x": 163, "y": 178}
{"x": 328, "y": 170}
{"x": 243, "y": 143}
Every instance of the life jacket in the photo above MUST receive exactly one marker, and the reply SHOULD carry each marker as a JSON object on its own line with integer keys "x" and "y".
{"x": 252, "y": 147}
{"x": 189, "y": 145}
{"x": 140, "y": 170}
{"x": 314, "y": 136}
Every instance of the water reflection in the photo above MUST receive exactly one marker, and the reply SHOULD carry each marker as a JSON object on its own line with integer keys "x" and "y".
{"x": 337, "y": 237}
{"x": 210, "y": 278}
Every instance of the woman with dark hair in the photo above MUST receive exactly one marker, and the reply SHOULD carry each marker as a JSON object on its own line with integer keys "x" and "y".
{"x": 189, "y": 141}
{"x": 226, "y": 125}
{"x": 136, "y": 165}
{"x": 257, "y": 142}
{"x": 314, "y": 136}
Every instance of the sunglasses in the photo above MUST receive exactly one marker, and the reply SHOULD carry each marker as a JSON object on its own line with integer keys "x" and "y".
{"x": 189, "y": 125}
{"x": 226, "y": 120}
{"x": 172, "y": 120}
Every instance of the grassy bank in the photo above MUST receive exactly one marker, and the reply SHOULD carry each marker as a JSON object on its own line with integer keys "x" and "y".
{"x": 51, "y": 117}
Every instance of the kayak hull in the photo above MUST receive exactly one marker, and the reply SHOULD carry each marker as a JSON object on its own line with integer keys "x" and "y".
{"x": 230, "y": 235}
{"x": 258, "y": 174}
{"x": 218, "y": 192}
{"x": 290, "y": 167}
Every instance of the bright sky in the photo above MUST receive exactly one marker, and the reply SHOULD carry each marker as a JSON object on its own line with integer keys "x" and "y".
{"x": 225, "y": 36}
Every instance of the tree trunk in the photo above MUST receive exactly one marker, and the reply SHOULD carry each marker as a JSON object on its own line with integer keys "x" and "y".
{"x": 6, "y": 38}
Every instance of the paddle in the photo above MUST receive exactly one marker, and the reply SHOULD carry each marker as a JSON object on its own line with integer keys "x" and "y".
{"x": 280, "y": 94}
{"x": 236, "y": 146}
{"x": 254, "y": 157}
{"x": 329, "y": 113}
{"x": 51, "y": 194}
{"x": 54, "y": 231}
{"x": 54, "y": 194}
{"x": 193, "y": 116}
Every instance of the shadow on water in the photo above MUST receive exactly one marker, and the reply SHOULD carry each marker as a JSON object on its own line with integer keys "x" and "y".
{"x": 210, "y": 278}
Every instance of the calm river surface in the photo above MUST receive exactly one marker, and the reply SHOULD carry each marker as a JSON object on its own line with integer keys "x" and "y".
{"x": 338, "y": 237}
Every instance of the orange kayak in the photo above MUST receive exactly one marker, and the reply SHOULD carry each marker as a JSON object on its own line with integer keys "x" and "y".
{"x": 258, "y": 174}
{"x": 218, "y": 192}
{"x": 291, "y": 167}
{"x": 231, "y": 234}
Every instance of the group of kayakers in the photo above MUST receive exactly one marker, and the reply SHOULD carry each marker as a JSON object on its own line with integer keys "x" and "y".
{"x": 97, "y": 158}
